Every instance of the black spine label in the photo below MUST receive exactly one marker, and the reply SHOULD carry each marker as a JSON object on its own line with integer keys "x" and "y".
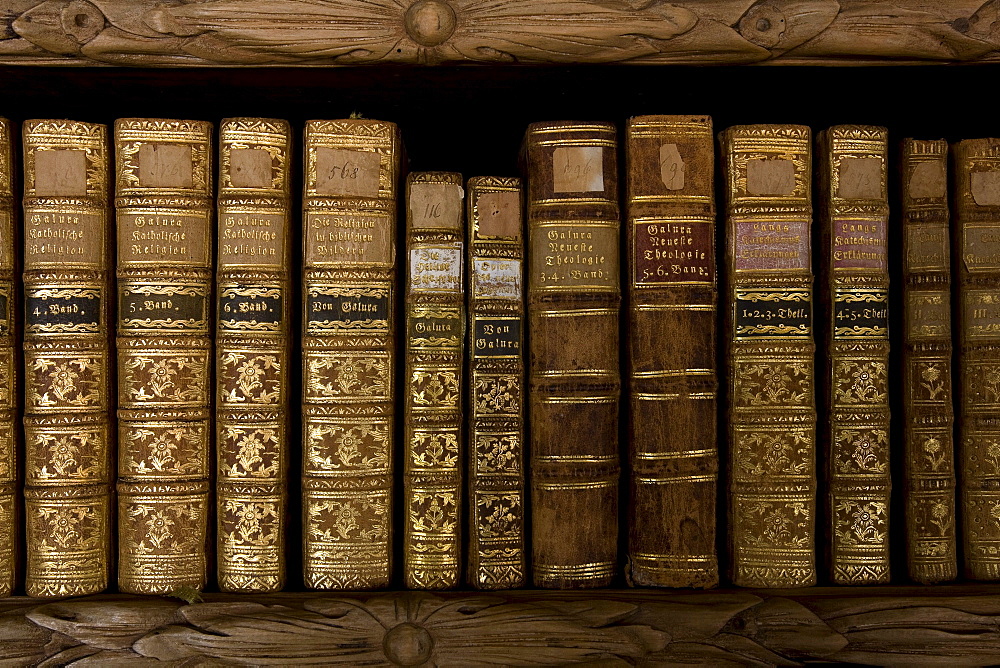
{"x": 61, "y": 310}
{"x": 496, "y": 337}
{"x": 767, "y": 313}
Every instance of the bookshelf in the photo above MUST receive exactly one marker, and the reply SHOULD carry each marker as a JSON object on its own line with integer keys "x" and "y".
{"x": 496, "y": 68}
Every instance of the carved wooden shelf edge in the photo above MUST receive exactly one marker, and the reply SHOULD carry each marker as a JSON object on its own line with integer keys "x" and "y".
{"x": 171, "y": 33}
{"x": 879, "y": 626}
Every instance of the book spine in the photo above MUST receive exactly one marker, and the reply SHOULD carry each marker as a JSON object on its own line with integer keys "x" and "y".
{"x": 573, "y": 310}
{"x": 929, "y": 461}
{"x": 252, "y": 352}
{"x": 348, "y": 344}
{"x": 435, "y": 337}
{"x": 67, "y": 293}
{"x": 670, "y": 208}
{"x": 771, "y": 372}
{"x": 976, "y": 245}
{"x": 9, "y": 366}
{"x": 163, "y": 200}
{"x": 855, "y": 300}
{"x": 496, "y": 383}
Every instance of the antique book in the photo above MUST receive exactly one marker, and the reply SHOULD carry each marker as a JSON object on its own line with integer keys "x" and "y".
{"x": 573, "y": 308}
{"x": 496, "y": 424}
{"x": 854, "y": 210}
{"x": 770, "y": 355}
{"x": 9, "y": 367}
{"x": 976, "y": 245}
{"x": 67, "y": 348}
{"x": 670, "y": 232}
{"x": 252, "y": 352}
{"x": 432, "y": 422}
{"x": 928, "y": 416}
{"x": 348, "y": 351}
{"x": 163, "y": 200}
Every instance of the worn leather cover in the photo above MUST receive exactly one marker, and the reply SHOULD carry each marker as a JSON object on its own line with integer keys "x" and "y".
{"x": 928, "y": 415}
{"x": 976, "y": 247}
{"x": 770, "y": 355}
{"x": 855, "y": 311}
{"x": 9, "y": 367}
{"x": 252, "y": 352}
{"x": 164, "y": 207}
{"x": 573, "y": 313}
{"x": 496, "y": 425}
{"x": 672, "y": 315}
{"x": 433, "y": 385}
{"x": 348, "y": 351}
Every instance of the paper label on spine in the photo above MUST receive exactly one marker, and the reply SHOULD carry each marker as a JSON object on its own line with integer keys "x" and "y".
{"x": 346, "y": 173}
{"x": 770, "y": 177}
{"x": 165, "y": 166}
{"x": 161, "y": 237}
{"x": 859, "y": 244}
{"x": 772, "y": 245}
{"x": 63, "y": 237}
{"x": 499, "y": 214}
{"x": 61, "y": 173}
{"x": 254, "y": 239}
{"x": 860, "y": 178}
{"x": 349, "y": 239}
{"x": 436, "y": 268}
{"x": 985, "y": 187}
{"x": 927, "y": 180}
{"x": 436, "y": 205}
{"x": 249, "y": 168}
{"x": 671, "y": 167}
{"x": 668, "y": 252}
{"x": 578, "y": 169}
{"x": 496, "y": 279}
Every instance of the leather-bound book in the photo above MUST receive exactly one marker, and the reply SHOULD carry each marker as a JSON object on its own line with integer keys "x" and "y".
{"x": 670, "y": 213}
{"x": 67, "y": 296}
{"x": 252, "y": 352}
{"x": 770, "y": 355}
{"x": 976, "y": 246}
{"x": 432, "y": 385}
{"x": 163, "y": 200}
{"x": 573, "y": 309}
{"x": 928, "y": 416}
{"x": 495, "y": 408}
{"x": 9, "y": 367}
{"x": 854, "y": 278}
{"x": 348, "y": 350}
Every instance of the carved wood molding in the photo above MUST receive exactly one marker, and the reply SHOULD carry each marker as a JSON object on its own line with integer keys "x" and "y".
{"x": 172, "y": 33}
{"x": 877, "y": 626}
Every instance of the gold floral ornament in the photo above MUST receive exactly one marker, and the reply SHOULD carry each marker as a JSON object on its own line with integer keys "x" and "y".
{"x": 864, "y": 523}
{"x": 358, "y": 447}
{"x": 70, "y": 383}
{"x": 251, "y": 518}
{"x": 257, "y": 379}
{"x": 247, "y": 454}
{"x": 781, "y": 383}
{"x": 931, "y": 379}
{"x": 934, "y": 452}
{"x": 773, "y": 453}
{"x": 861, "y": 382}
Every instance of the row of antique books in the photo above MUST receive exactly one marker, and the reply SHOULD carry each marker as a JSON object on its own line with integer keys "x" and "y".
{"x": 203, "y": 360}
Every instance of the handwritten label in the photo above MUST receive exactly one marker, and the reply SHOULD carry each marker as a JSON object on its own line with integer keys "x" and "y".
{"x": 343, "y": 172}
{"x": 767, "y": 313}
{"x": 859, "y": 314}
{"x": 859, "y": 244}
{"x": 170, "y": 238}
{"x": 860, "y": 178}
{"x": 666, "y": 252}
{"x": 63, "y": 237}
{"x": 770, "y": 177}
{"x": 255, "y": 239}
{"x": 496, "y": 337}
{"x": 436, "y": 205}
{"x": 927, "y": 179}
{"x": 496, "y": 279}
{"x": 61, "y": 173}
{"x": 927, "y": 246}
{"x": 985, "y": 187}
{"x": 348, "y": 309}
{"x": 162, "y": 307}
{"x": 346, "y": 239}
{"x": 671, "y": 167}
{"x": 499, "y": 214}
{"x": 250, "y": 308}
{"x": 981, "y": 247}
{"x": 928, "y": 314}
{"x": 982, "y": 314}
{"x": 577, "y": 169}
{"x": 436, "y": 268}
{"x": 62, "y": 310}
{"x": 250, "y": 168}
{"x": 772, "y": 245}
{"x": 165, "y": 166}
{"x": 570, "y": 256}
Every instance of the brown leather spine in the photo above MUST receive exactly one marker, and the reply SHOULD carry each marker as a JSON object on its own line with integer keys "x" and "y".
{"x": 976, "y": 247}
{"x": 771, "y": 371}
{"x": 573, "y": 311}
{"x": 9, "y": 366}
{"x": 670, "y": 211}
{"x": 928, "y": 416}
{"x": 855, "y": 311}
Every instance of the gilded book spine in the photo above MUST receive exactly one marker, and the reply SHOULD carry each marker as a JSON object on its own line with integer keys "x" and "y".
{"x": 772, "y": 406}
{"x": 496, "y": 382}
{"x": 164, "y": 210}
{"x": 348, "y": 343}
{"x": 929, "y": 469}
{"x": 68, "y": 440}
{"x": 976, "y": 245}
{"x": 573, "y": 308}
{"x": 252, "y": 354}
{"x": 670, "y": 208}
{"x": 435, "y": 337}
{"x": 9, "y": 363}
{"x": 855, "y": 208}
